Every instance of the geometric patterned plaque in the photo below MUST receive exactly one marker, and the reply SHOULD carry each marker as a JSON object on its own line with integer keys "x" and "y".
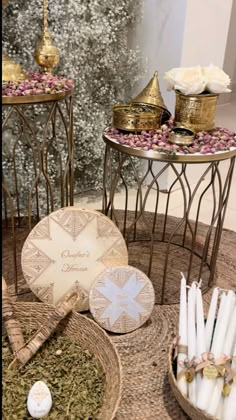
{"x": 121, "y": 299}
{"x": 67, "y": 250}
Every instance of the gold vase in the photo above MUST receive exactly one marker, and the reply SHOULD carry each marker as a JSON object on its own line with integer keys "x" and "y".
{"x": 195, "y": 112}
{"x": 46, "y": 54}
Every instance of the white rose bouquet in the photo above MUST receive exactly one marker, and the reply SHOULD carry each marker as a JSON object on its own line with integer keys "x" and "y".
{"x": 196, "y": 80}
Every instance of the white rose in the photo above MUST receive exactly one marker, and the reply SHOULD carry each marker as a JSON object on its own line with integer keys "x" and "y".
{"x": 217, "y": 80}
{"x": 189, "y": 80}
{"x": 170, "y": 78}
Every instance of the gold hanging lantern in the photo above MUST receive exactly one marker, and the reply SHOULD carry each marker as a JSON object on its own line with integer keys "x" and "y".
{"x": 11, "y": 71}
{"x": 146, "y": 112}
{"x": 46, "y": 54}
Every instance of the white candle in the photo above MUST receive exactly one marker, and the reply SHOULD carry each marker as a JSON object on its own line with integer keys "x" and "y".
{"x": 218, "y": 339}
{"x": 201, "y": 342}
{"x": 230, "y": 335}
{"x": 230, "y": 405}
{"x": 182, "y": 384}
{"x": 192, "y": 350}
{"x": 230, "y": 401}
{"x": 211, "y": 318}
{"x": 207, "y": 385}
{"x": 220, "y": 409}
{"x": 220, "y": 312}
{"x": 227, "y": 349}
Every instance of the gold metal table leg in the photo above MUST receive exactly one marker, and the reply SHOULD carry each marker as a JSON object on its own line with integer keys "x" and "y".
{"x": 166, "y": 245}
{"x": 39, "y": 146}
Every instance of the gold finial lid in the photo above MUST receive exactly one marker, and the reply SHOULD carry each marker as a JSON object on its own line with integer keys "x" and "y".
{"x": 151, "y": 94}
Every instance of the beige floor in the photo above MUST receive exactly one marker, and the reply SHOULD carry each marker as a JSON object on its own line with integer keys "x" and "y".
{"x": 226, "y": 116}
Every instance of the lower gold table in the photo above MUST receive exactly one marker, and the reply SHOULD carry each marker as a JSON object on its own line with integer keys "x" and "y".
{"x": 159, "y": 243}
{"x": 50, "y": 142}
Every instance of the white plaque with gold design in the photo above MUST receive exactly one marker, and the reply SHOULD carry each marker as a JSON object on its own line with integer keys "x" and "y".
{"x": 67, "y": 250}
{"x": 121, "y": 299}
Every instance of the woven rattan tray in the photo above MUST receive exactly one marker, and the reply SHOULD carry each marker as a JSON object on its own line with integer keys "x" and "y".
{"x": 90, "y": 337}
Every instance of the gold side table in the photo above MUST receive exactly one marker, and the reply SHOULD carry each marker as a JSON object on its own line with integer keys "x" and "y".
{"x": 159, "y": 243}
{"x": 57, "y": 120}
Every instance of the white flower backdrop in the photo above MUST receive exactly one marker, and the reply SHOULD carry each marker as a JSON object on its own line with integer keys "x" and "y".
{"x": 92, "y": 36}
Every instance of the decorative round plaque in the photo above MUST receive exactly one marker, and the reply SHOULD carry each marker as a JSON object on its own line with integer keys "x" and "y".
{"x": 121, "y": 299}
{"x": 67, "y": 250}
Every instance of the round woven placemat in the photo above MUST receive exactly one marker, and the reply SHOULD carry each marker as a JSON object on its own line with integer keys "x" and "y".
{"x": 146, "y": 392}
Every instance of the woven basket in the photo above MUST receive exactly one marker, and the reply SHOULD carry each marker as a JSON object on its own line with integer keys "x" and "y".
{"x": 90, "y": 337}
{"x": 193, "y": 412}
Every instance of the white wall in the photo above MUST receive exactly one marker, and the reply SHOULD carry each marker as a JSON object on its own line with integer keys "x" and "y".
{"x": 176, "y": 33}
{"x": 160, "y": 37}
{"x": 230, "y": 53}
{"x": 234, "y": 77}
{"x": 206, "y": 32}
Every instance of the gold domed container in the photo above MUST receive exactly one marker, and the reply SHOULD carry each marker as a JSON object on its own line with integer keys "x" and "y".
{"x": 195, "y": 112}
{"x": 146, "y": 112}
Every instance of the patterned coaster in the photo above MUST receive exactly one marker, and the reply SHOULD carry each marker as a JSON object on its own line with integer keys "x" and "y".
{"x": 67, "y": 250}
{"x": 121, "y": 299}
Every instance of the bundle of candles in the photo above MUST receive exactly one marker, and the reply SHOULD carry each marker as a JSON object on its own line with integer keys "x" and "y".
{"x": 206, "y": 351}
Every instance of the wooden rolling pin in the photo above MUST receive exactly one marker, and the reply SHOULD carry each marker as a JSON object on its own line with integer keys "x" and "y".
{"x": 12, "y": 326}
{"x": 43, "y": 333}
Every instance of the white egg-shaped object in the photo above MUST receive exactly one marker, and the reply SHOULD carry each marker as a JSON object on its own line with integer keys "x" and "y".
{"x": 39, "y": 400}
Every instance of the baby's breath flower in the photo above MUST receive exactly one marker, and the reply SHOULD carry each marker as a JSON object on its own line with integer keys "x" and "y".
{"x": 92, "y": 37}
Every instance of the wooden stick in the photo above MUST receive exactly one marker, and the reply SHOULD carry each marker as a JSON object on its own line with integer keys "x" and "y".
{"x": 44, "y": 332}
{"x": 13, "y": 328}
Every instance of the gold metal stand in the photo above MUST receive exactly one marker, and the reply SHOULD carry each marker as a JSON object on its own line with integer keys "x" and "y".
{"x": 158, "y": 243}
{"x": 58, "y": 113}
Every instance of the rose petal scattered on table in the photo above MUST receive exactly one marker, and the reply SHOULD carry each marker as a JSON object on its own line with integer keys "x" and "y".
{"x": 37, "y": 84}
{"x": 219, "y": 139}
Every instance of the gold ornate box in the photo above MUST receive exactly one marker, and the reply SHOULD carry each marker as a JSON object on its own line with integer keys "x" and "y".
{"x": 145, "y": 112}
{"x": 138, "y": 117}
